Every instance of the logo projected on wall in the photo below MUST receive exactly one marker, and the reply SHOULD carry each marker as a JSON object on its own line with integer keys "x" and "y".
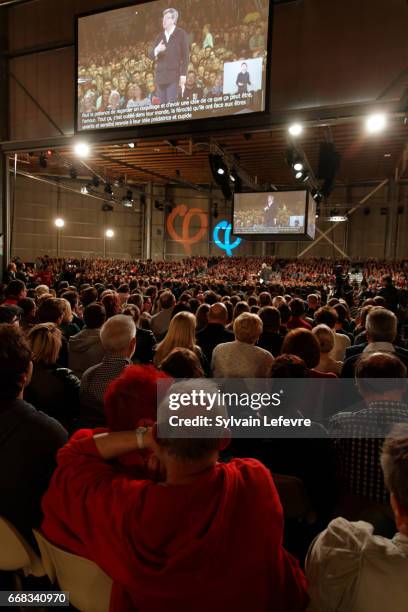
{"x": 187, "y": 214}
{"x": 227, "y": 245}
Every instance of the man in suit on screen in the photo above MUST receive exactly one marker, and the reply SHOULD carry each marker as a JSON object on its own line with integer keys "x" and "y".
{"x": 171, "y": 54}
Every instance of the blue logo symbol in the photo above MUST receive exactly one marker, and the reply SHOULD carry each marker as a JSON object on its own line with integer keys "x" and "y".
{"x": 226, "y": 246}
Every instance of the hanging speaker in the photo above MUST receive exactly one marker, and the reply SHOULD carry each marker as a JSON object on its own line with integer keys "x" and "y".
{"x": 329, "y": 162}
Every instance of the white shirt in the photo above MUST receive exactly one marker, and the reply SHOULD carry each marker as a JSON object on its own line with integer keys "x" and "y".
{"x": 351, "y": 570}
{"x": 341, "y": 343}
{"x": 379, "y": 347}
{"x": 169, "y": 33}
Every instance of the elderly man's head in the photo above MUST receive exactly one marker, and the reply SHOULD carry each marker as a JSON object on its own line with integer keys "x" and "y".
{"x": 218, "y": 313}
{"x": 381, "y": 325}
{"x": 118, "y": 336}
{"x": 381, "y": 377}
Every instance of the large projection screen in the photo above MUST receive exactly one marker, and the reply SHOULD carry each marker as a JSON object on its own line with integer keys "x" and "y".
{"x": 162, "y": 62}
{"x": 274, "y": 216}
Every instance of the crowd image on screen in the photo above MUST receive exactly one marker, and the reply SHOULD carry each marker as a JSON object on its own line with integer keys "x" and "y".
{"x": 116, "y": 64}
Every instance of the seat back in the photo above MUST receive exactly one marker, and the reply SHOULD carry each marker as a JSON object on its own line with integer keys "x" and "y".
{"x": 16, "y": 553}
{"x": 294, "y": 499}
{"x": 88, "y": 586}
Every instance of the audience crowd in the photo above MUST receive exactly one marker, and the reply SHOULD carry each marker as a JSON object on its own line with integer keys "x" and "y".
{"x": 198, "y": 523}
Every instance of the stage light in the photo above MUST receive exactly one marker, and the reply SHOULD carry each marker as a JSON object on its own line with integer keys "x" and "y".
{"x": 221, "y": 174}
{"x": 375, "y": 123}
{"x": 109, "y": 233}
{"x": 232, "y": 177}
{"x": 317, "y": 196}
{"x": 95, "y": 181}
{"x": 82, "y": 149}
{"x": 84, "y": 190}
{"x": 295, "y": 129}
{"x": 42, "y": 160}
{"x": 108, "y": 189}
{"x": 131, "y": 145}
{"x": 298, "y": 166}
{"x": 59, "y": 223}
{"x": 298, "y": 175}
{"x": 220, "y": 171}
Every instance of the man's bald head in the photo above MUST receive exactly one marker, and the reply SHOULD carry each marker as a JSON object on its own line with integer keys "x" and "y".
{"x": 218, "y": 314}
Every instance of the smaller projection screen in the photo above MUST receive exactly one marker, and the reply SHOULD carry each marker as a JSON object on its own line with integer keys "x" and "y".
{"x": 159, "y": 62}
{"x": 274, "y": 216}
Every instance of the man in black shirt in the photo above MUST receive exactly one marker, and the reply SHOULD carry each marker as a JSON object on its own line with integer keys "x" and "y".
{"x": 29, "y": 439}
{"x": 215, "y": 332}
{"x": 243, "y": 79}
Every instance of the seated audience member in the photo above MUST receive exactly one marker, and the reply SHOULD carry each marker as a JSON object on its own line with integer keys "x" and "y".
{"x": 270, "y": 338}
{"x": 145, "y": 340}
{"x": 325, "y": 338}
{"x": 111, "y": 304}
{"x": 160, "y": 322}
{"x": 360, "y": 336}
{"x": 390, "y": 293}
{"x": 381, "y": 381}
{"x": 215, "y": 332}
{"x": 181, "y": 333}
{"x": 52, "y": 389}
{"x": 89, "y": 296}
{"x": 29, "y": 439}
{"x": 343, "y": 325}
{"x": 182, "y": 363}
{"x": 349, "y": 569}
{"x": 28, "y": 315}
{"x": 327, "y": 315}
{"x": 123, "y": 293}
{"x": 202, "y": 316}
{"x": 304, "y": 344}
{"x": 52, "y": 310}
{"x": 118, "y": 338}
{"x": 239, "y": 308}
{"x": 265, "y": 299}
{"x": 68, "y": 327}
{"x": 381, "y": 328}
{"x": 73, "y": 299}
{"x": 10, "y": 314}
{"x": 15, "y": 291}
{"x": 297, "y": 309}
{"x": 85, "y": 348}
{"x": 241, "y": 358}
{"x": 192, "y": 540}
{"x": 312, "y": 305}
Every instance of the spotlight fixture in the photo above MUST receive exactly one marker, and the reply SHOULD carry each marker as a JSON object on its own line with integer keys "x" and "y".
{"x": 375, "y": 123}
{"x": 129, "y": 195}
{"x": 109, "y": 233}
{"x": 108, "y": 189}
{"x": 82, "y": 149}
{"x": 73, "y": 173}
{"x": 298, "y": 166}
{"x": 298, "y": 175}
{"x": 59, "y": 223}
{"x": 119, "y": 182}
{"x": 84, "y": 190}
{"x": 317, "y": 196}
{"x": 42, "y": 160}
{"x": 95, "y": 181}
{"x": 221, "y": 174}
{"x": 131, "y": 145}
{"x": 295, "y": 129}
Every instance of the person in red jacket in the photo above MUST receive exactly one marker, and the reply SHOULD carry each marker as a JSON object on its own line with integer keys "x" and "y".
{"x": 205, "y": 536}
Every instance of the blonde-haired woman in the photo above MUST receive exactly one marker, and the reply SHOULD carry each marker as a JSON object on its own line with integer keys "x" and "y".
{"x": 68, "y": 326}
{"x": 52, "y": 389}
{"x": 181, "y": 334}
{"x": 326, "y": 339}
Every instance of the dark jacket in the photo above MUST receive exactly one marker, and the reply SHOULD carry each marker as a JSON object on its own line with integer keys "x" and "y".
{"x": 29, "y": 441}
{"x": 353, "y": 353}
{"x": 54, "y": 391}
{"x": 85, "y": 350}
{"x": 173, "y": 62}
{"x": 145, "y": 346}
{"x": 271, "y": 341}
{"x": 212, "y": 335}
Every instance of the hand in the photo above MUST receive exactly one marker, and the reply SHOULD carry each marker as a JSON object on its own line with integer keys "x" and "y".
{"x": 182, "y": 82}
{"x": 160, "y": 48}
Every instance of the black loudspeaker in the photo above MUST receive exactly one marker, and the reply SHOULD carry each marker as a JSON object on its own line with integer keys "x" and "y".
{"x": 329, "y": 162}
